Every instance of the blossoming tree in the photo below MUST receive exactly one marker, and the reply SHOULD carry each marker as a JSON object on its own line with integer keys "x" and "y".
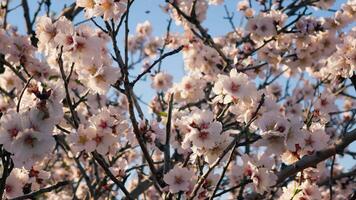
{"x": 264, "y": 111}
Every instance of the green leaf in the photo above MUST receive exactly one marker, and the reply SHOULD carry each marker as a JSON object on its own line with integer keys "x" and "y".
{"x": 163, "y": 114}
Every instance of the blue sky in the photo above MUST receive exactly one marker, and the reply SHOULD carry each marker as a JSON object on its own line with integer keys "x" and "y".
{"x": 150, "y": 10}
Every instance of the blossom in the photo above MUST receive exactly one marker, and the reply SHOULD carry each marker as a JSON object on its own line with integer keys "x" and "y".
{"x": 103, "y": 78}
{"x": 273, "y": 123}
{"x": 162, "y": 81}
{"x": 45, "y": 31}
{"x": 109, "y": 9}
{"x": 31, "y": 146}
{"x": 15, "y": 183}
{"x": 325, "y": 4}
{"x": 37, "y": 177}
{"x": 144, "y": 29}
{"x": 88, "y": 6}
{"x": 118, "y": 169}
{"x": 203, "y": 130}
{"x": 83, "y": 139}
{"x": 213, "y": 153}
{"x": 258, "y": 170}
{"x": 190, "y": 89}
{"x": 178, "y": 179}
{"x": 234, "y": 87}
{"x": 306, "y": 190}
{"x": 317, "y": 139}
{"x": 263, "y": 180}
{"x": 261, "y": 26}
{"x": 277, "y": 89}
{"x": 11, "y": 125}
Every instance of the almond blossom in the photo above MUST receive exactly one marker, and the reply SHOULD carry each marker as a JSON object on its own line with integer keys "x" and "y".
{"x": 15, "y": 183}
{"x": 178, "y": 179}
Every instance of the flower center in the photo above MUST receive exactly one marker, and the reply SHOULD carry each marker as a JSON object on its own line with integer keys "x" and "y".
{"x": 234, "y": 87}
{"x": 82, "y": 139}
{"x": 106, "y": 5}
{"x": 8, "y": 188}
{"x": 103, "y": 124}
{"x": 98, "y": 139}
{"x": 281, "y": 129}
{"x": 324, "y": 102}
{"x": 203, "y": 135}
{"x": 30, "y": 140}
{"x": 13, "y": 132}
{"x": 178, "y": 179}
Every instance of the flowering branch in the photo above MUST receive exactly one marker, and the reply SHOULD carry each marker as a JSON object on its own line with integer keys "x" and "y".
{"x": 105, "y": 166}
{"x": 42, "y": 191}
{"x": 317, "y": 157}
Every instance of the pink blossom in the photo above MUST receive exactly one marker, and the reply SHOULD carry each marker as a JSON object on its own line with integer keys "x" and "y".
{"x": 178, "y": 179}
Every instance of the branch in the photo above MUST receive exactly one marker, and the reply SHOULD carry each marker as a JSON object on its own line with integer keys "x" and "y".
{"x": 22, "y": 93}
{"x": 105, "y": 166}
{"x": 32, "y": 195}
{"x": 167, "y": 153}
{"x": 207, "y": 38}
{"x": 129, "y": 94}
{"x": 232, "y": 146}
{"x": 312, "y": 160}
{"x": 7, "y": 165}
{"x": 65, "y": 81}
{"x": 26, "y": 14}
{"x": 156, "y": 62}
{"x": 13, "y": 69}
{"x": 353, "y": 80}
{"x": 349, "y": 174}
{"x": 142, "y": 187}
{"x": 244, "y": 182}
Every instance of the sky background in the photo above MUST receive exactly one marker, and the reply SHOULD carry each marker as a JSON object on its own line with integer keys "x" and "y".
{"x": 150, "y": 10}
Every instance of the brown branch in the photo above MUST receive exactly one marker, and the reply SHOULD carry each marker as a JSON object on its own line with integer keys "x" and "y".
{"x": 129, "y": 94}
{"x": 13, "y": 69}
{"x": 22, "y": 93}
{"x": 319, "y": 156}
{"x": 353, "y": 80}
{"x": 32, "y": 195}
{"x": 349, "y": 174}
{"x": 331, "y": 178}
{"x": 244, "y": 182}
{"x": 105, "y": 167}
{"x": 28, "y": 23}
{"x": 26, "y": 14}
{"x": 167, "y": 152}
{"x": 156, "y": 62}
{"x": 6, "y": 8}
{"x": 7, "y": 168}
{"x": 65, "y": 81}
{"x": 207, "y": 38}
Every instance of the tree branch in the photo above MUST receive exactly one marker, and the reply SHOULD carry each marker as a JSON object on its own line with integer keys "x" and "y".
{"x": 313, "y": 160}
{"x": 32, "y": 195}
{"x": 156, "y": 62}
{"x": 105, "y": 167}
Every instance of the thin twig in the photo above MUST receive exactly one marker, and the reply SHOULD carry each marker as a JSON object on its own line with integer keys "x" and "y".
{"x": 42, "y": 191}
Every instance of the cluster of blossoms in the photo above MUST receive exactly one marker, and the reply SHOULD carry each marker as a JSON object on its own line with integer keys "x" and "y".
{"x": 83, "y": 49}
{"x": 143, "y": 42}
{"x": 271, "y": 97}
{"x": 102, "y": 132}
{"x": 108, "y": 9}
